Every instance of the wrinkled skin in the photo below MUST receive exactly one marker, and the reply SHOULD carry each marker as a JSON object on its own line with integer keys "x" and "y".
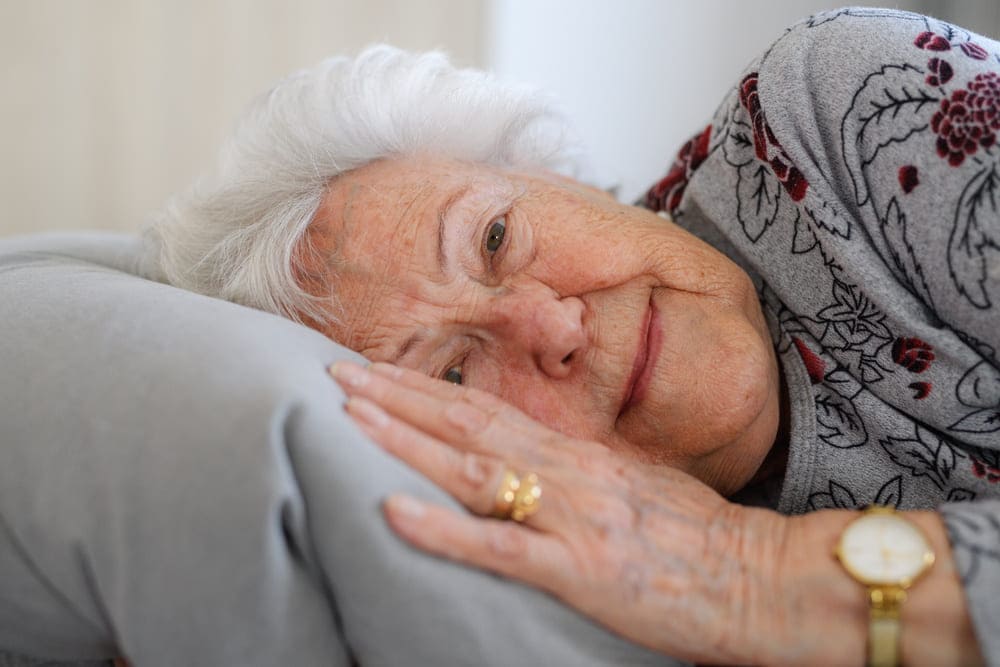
{"x": 645, "y": 549}
{"x": 549, "y": 312}
{"x": 551, "y": 319}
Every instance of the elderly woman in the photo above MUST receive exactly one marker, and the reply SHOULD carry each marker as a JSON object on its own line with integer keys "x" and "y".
{"x": 681, "y": 407}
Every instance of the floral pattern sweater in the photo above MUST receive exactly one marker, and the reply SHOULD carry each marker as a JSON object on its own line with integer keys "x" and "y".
{"x": 854, "y": 172}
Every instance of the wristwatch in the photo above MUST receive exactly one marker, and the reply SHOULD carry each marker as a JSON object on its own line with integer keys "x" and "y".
{"x": 886, "y": 553}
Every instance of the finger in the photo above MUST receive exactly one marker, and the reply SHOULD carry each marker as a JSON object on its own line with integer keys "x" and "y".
{"x": 433, "y": 389}
{"x": 472, "y": 479}
{"x": 446, "y": 391}
{"x": 489, "y": 403}
{"x": 420, "y": 381}
{"x": 461, "y": 416}
{"x": 457, "y": 422}
{"x": 449, "y": 391}
{"x": 502, "y": 547}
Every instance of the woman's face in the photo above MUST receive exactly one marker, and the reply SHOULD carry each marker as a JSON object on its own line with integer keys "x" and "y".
{"x": 603, "y": 321}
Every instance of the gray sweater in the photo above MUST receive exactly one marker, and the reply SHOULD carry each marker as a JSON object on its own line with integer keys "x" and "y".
{"x": 854, "y": 173}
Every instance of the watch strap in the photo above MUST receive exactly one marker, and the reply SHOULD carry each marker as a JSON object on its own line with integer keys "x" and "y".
{"x": 885, "y": 603}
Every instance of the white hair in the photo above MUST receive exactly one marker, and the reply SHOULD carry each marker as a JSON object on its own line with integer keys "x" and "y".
{"x": 239, "y": 231}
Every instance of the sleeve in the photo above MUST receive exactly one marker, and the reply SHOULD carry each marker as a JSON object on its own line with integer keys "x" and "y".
{"x": 881, "y": 127}
{"x": 974, "y": 531}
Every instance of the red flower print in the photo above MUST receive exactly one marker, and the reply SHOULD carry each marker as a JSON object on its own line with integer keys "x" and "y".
{"x": 766, "y": 145}
{"x": 815, "y": 366}
{"x": 912, "y": 354}
{"x": 973, "y": 50}
{"x": 908, "y": 178}
{"x": 667, "y": 193}
{"x": 980, "y": 469}
{"x": 920, "y": 389}
{"x": 969, "y": 119}
{"x": 940, "y": 72}
{"x": 750, "y": 100}
{"x": 931, "y": 42}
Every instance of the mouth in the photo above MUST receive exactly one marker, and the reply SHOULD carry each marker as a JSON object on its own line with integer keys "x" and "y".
{"x": 646, "y": 355}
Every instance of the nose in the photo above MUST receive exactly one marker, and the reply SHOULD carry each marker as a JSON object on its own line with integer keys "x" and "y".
{"x": 536, "y": 321}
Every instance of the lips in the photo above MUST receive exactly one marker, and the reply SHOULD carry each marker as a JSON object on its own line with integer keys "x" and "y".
{"x": 646, "y": 355}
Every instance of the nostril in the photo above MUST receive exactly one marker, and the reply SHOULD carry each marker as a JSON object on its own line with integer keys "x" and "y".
{"x": 567, "y": 358}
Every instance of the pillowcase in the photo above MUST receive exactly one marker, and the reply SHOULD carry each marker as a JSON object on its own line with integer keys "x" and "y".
{"x": 180, "y": 484}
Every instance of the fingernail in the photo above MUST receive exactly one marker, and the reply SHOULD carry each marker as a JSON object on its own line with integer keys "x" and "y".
{"x": 349, "y": 374}
{"x": 388, "y": 370}
{"x": 366, "y": 412}
{"x": 406, "y": 506}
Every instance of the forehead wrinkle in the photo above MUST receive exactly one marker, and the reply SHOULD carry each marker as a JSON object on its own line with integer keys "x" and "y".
{"x": 371, "y": 328}
{"x": 408, "y": 207}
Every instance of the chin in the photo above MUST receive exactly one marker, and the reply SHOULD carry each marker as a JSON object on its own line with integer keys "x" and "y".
{"x": 754, "y": 423}
{"x": 717, "y": 427}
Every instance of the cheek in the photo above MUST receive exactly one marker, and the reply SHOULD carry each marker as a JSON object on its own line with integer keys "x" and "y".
{"x": 580, "y": 249}
{"x": 719, "y": 356}
{"x": 560, "y": 411}
{"x": 729, "y": 377}
{"x": 712, "y": 383}
{"x": 533, "y": 398}
{"x": 684, "y": 263}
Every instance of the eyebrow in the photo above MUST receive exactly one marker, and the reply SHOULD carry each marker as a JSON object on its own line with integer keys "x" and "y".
{"x": 444, "y": 213}
{"x": 415, "y": 339}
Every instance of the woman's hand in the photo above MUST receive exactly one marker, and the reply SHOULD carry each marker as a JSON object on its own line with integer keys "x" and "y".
{"x": 646, "y": 550}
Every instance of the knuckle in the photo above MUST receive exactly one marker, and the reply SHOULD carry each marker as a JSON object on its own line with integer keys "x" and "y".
{"x": 479, "y": 398}
{"x": 480, "y": 476}
{"x": 619, "y": 516}
{"x": 475, "y": 470}
{"x": 494, "y": 407}
{"x": 507, "y": 541}
{"x": 467, "y": 418}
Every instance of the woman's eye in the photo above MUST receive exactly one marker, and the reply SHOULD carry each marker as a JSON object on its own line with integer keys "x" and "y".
{"x": 495, "y": 234}
{"x": 453, "y": 375}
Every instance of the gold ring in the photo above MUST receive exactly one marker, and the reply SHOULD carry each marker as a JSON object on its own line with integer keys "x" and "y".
{"x": 517, "y": 498}
{"x": 527, "y": 498}
{"x": 503, "y": 506}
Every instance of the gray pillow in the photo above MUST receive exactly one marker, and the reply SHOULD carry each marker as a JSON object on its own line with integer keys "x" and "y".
{"x": 178, "y": 482}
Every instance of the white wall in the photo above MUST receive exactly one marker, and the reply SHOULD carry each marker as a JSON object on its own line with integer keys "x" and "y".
{"x": 639, "y": 77}
{"x": 108, "y": 106}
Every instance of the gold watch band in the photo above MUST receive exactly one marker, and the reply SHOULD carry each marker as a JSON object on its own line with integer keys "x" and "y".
{"x": 885, "y": 604}
{"x": 886, "y": 553}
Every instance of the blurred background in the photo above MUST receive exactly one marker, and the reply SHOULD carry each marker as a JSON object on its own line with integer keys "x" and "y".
{"x": 111, "y": 105}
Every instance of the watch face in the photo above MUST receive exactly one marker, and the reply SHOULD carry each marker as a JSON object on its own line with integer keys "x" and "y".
{"x": 884, "y": 548}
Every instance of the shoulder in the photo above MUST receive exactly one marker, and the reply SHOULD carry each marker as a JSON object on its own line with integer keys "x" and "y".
{"x": 864, "y": 76}
{"x": 829, "y": 47}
